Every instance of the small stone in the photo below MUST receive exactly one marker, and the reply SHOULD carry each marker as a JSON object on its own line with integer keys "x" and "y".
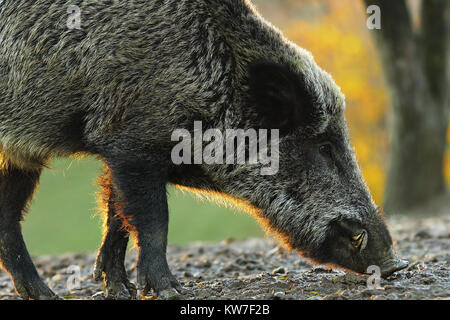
{"x": 187, "y": 274}
{"x": 279, "y": 295}
{"x": 279, "y": 270}
{"x": 422, "y": 234}
{"x": 169, "y": 294}
{"x": 98, "y": 296}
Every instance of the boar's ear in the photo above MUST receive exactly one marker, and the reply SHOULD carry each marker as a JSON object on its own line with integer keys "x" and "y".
{"x": 280, "y": 96}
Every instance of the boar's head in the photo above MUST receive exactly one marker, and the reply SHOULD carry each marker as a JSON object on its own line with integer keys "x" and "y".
{"x": 317, "y": 201}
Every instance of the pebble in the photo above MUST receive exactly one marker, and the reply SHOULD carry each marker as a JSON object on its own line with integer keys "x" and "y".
{"x": 279, "y": 270}
{"x": 187, "y": 274}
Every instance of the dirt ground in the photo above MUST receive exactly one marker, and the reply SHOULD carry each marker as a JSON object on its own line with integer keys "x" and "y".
{"x": 260, "y": 269}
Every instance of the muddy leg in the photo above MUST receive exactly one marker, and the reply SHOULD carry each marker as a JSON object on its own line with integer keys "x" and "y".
{"x": 110, "y": 261}
{"x": 16, "y": 189}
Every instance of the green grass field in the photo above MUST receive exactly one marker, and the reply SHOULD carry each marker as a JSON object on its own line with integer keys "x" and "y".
{"x": 63, "y": 215}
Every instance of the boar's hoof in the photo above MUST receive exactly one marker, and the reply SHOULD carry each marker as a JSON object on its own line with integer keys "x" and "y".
{"x": 159, "y": 285}
{"x": 116, "y": 289}
{"x": 116, "y": 281}
{"x": 34, "y": 290}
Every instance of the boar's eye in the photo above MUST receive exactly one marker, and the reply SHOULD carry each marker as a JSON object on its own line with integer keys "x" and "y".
{"x": 359, "y": 240}
{"x": 325, "y": 150}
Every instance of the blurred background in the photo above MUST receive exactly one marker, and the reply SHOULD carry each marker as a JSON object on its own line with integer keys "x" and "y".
{"x": 64, "y": 216}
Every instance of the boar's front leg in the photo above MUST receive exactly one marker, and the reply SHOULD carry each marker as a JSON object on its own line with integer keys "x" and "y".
{"x": 145, "y": 210}
{"x": 110, "y": 262}
{"x": 16, "y": 189}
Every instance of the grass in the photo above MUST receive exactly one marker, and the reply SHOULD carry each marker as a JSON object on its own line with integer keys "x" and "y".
{"x": 63, "y": 216}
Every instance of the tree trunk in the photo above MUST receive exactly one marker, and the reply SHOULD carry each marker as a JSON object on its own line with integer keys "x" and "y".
{"x": 416, "y": 70}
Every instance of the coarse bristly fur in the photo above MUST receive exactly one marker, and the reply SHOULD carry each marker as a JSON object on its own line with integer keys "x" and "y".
{"x": 133, "y": 73}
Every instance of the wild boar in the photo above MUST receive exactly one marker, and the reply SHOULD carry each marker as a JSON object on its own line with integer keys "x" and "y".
{"x": 117, "y": 87}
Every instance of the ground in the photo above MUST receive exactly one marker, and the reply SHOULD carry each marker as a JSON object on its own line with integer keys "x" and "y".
{"x": 260, "y": 269}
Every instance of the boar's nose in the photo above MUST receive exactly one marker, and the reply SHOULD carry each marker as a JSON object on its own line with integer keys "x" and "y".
{"x": 392, "y": 266}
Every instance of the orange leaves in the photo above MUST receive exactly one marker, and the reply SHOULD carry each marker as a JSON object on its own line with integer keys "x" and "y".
{"x": 447, "y": 158}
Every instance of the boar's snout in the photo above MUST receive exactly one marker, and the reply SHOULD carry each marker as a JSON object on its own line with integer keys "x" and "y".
{"x": 391, "y": 263}
{"x": 392, "y": 266}
{"x": 360, "y": 245}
